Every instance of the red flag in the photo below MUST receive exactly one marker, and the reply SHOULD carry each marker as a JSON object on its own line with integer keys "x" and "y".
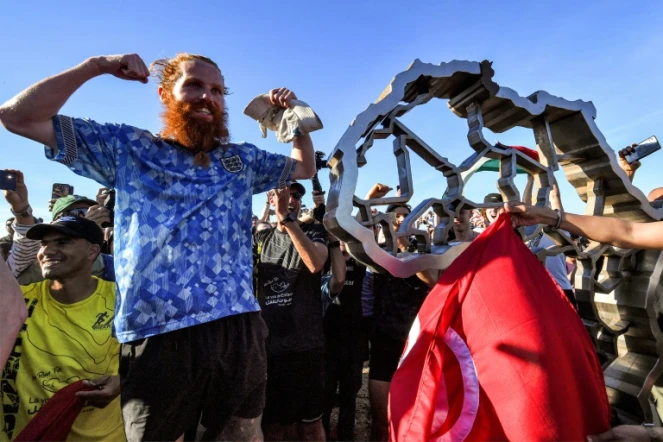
{"x": 533, "y": 154}
{"x": 54, "y": 420}
{"x": 497, "y": 352}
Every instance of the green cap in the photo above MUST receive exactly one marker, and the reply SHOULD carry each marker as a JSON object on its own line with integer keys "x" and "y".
{"x": 65, "y": 202}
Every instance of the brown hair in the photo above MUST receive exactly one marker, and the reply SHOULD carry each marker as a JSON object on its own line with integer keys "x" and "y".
{"x": 168, "y": 71}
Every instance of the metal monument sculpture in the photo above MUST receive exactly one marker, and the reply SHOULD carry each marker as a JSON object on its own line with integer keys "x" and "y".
{"x": 617, "y": 289}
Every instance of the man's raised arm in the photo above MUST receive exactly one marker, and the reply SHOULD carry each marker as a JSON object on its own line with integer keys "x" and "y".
{"x": 30, "y": 112}
{"x": 302, "y": 153}
{"x": 302, "y": 146}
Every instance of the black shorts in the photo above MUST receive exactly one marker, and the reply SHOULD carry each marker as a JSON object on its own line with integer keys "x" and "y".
{"x": 216, "y": 370}
{"x": 295, "y": 388}
{"x": 385, "y": 354}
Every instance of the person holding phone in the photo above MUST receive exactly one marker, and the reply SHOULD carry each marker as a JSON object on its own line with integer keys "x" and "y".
{"x": 630, "y": 167}
{"x": 183, "y": 212}
{"x": 24, "y": 251}
{"x": 288, "y": 261}
{"x": 59, "y": 191}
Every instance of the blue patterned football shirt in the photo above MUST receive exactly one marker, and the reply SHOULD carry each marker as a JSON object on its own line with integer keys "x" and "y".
{"x": 183, "y": 251}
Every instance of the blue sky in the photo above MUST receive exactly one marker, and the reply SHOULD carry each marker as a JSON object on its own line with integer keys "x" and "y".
{"x": 338, "y": 56}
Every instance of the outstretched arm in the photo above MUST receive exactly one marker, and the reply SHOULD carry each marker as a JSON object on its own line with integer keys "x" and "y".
{"x": 30, "y": 112}
{"x": 615, "y": 231}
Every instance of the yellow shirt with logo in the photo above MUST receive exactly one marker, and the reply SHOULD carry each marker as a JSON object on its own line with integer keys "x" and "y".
{"x": 60, "y": 344}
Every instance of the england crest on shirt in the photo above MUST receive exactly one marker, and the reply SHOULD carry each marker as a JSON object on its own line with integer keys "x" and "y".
{"x": 233, "y": 164}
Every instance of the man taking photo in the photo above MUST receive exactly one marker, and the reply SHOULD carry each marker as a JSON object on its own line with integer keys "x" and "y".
{"x": 289, "y": 264}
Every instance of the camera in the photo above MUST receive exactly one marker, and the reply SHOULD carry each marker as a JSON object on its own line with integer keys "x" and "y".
{"x": 320, "y": 162}
{"x": 109, "y": 203}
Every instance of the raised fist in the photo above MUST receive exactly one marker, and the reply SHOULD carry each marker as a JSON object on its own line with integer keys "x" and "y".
{"x": 126, "y": 67}
{"x": 281, "y": 97}
{"x": 378, "y": 191}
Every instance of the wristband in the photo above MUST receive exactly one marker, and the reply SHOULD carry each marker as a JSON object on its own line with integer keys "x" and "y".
{"x": 560, "y": 215}
{"x": 26, "y": 211}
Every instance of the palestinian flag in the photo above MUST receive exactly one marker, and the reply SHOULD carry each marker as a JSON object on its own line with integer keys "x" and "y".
{"x": 489, "y": 165}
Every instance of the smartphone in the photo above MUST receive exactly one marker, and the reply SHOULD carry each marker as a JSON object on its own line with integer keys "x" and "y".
{"x": 60, "y": 190}
{"x": 642, "y": 149}
{"x": 7, "y": 180}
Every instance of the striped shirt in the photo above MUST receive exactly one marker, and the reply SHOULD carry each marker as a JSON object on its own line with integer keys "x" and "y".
{"x": 23, "y": 251}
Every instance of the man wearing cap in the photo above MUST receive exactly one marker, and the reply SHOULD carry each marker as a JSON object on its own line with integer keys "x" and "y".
{"x": 289, "y": 261}
{"x": 66, "y": 337}
{"x": 183, "y": 247}
{"x": 492, "y": 213}
{"x": 76, "y": 206}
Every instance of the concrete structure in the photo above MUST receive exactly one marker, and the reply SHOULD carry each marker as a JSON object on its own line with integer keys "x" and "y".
{"x": 617, "y": 289}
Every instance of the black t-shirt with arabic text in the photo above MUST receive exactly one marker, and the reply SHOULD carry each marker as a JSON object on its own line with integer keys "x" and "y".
{"x": 288, "y": 293}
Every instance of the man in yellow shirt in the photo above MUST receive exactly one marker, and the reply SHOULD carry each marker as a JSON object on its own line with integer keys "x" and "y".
{"x": 66, "y": 337}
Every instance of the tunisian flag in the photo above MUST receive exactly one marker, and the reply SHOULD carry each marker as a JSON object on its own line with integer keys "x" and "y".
{"x": 497, "y": 352}
{"x": 54, "y": 420}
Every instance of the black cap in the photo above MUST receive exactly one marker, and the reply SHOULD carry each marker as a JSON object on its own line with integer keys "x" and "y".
{"x": 74, "y": 227}
{"x": 493, "y": 198}
{"x": 392, "y": 207}
{"x": 298, "y": 187}
{"x": 465, "y": 206}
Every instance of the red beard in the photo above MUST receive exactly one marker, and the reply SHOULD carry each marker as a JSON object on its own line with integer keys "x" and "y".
{"x": 195, "y": 135}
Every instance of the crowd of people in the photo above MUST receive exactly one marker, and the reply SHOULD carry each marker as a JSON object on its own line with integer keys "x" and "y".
{"x": 200, "y": 320}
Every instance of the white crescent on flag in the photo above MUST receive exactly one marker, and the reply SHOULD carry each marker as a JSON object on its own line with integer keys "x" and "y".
{"x": 463, "y": 426}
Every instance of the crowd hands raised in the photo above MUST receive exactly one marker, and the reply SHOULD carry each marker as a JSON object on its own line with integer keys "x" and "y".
{"x": 178, "y": 346}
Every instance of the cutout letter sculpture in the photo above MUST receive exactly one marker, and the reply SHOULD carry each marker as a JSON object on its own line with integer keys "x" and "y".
{"x": 616, "y": 288}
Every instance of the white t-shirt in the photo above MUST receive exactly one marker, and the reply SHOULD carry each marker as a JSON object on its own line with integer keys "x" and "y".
{"x": 556, "y": 265}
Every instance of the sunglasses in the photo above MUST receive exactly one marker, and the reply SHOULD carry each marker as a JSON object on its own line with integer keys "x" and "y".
{"x": 296, "y": 195}
{"x": 77, "y": 213}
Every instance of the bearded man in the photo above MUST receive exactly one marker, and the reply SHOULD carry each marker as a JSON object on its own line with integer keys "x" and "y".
{"x": 191, "y": 333}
